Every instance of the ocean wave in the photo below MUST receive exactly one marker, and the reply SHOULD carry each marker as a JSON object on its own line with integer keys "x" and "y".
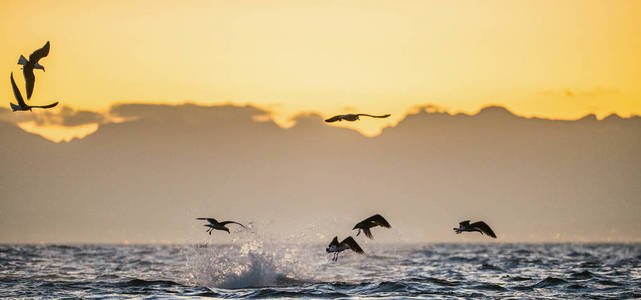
{"x": 256, "y": 266}
{"x": 549, "y": 282}
{"x": 489, "y": 287}
{"x": 582, "y": 275}
{"x": 144, "y": 283}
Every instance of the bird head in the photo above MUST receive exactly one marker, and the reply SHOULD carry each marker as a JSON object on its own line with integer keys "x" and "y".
{"x": 327, "y": 249}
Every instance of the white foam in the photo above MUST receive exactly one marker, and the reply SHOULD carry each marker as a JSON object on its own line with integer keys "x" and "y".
{"x": 253, "y": 260}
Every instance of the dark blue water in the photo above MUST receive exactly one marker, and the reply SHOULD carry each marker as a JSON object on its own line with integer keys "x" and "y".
{"x": 259, "y": 270}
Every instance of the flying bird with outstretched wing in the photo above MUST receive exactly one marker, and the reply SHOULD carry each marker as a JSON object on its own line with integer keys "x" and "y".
{"x": 373, "y": 221}
{"x": 22, "y": 106}
{"x": 213, "y": 224}
{"x": 352, "y": 117}
{"x": 479, "y": 226}
{"x": 348, "y": 243}
{"x": 30, "y": 64}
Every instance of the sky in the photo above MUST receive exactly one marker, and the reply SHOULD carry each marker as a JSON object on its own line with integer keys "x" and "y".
{"x": 554, "y": 59}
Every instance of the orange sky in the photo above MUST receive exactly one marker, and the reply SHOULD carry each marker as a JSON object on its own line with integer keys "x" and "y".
{"x": 558, "y": 59}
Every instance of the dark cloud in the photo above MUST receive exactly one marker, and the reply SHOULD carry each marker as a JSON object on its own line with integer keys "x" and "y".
{"x": 64, "y": 117}
{"x": 187, "y": 110}
{"x": 70, "y": 117}
{"x": 14, "y": 117}
{"x": 178, "y": 162}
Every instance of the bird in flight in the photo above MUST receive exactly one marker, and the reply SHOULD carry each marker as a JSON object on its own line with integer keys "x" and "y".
{"x": 352, "y": 117}
{"x": 348, "y": 243}
{"x": 476, "y": 226}
{"x": 32, "y": 63}
{"x": 21, "y": 104}
{"x": 373, "y": 221}
{"x": 213, "y": 224}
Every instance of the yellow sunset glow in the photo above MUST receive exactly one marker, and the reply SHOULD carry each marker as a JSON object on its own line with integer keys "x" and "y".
{"x": 58, "y": 133}
{"x": 556, "y": 59}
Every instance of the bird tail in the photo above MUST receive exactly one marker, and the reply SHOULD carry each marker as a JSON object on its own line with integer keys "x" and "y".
{"x": 368, "y": 233}
{"x": 14, "y": 107}
{"x": 22, "y": 60}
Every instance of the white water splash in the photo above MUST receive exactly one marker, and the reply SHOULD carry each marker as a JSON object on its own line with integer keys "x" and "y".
{"x": 254, "y": 260}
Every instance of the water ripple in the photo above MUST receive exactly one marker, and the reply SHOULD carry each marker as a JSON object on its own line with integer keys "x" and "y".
{"x": 258, "y": 269}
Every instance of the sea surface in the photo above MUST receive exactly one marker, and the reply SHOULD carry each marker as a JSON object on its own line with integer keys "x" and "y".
{"x": 254, "y": 269}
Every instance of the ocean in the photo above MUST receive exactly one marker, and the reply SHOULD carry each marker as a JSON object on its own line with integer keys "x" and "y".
{"x": 255, "y": 269}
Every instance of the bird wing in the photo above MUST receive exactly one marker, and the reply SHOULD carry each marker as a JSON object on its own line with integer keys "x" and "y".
{"x": 232, "y": 222}
{"x": 334, "y": 119}
{"x": 379, "y": 220}
{"x": 334, "y": 242}
{"x": 349, "y": 241}
{"x": 381, "y": 116}
{"x": 29, "y": 80}
{"x": 40, "y": 53}
{"x": 464, "y": 223}
{"x": 210, "y": 220}
{"x": 46, "y": 106}
{"x": 484, "y": 228}
{"x": 16, "y": 92}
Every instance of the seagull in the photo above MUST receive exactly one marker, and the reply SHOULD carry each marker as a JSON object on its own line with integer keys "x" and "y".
{"x": 32, "y": 63}
{"x": 476, "y": 226}
{"x": 373, "y": 221}
{"x": 348, "y": 243}
{"x": 352, "y": 117}
{"x": 213, "y": 224}
{"x": 21, "y": 105}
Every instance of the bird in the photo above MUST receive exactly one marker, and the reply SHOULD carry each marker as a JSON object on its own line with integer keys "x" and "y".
{"x": 21, "y": 104}
{"x": 213, "y": 224}
{"x": 32, "y": 63}
{"x": 373, "y": 221}
{"x": 352, "y": 117}
{"x": 476, "y": 226}
{"x": 348, "y": 243}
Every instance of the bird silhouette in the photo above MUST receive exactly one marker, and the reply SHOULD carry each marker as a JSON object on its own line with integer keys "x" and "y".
{"x": 30, "y": 64}
{"x": 213, "y": 224}
{"x": 352, "y": 117}
{"x": 21, "y": 104}
{"x": 373, "y": 221}
{"x": 348, "y": 243}
{"x": 476, "y": 226}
